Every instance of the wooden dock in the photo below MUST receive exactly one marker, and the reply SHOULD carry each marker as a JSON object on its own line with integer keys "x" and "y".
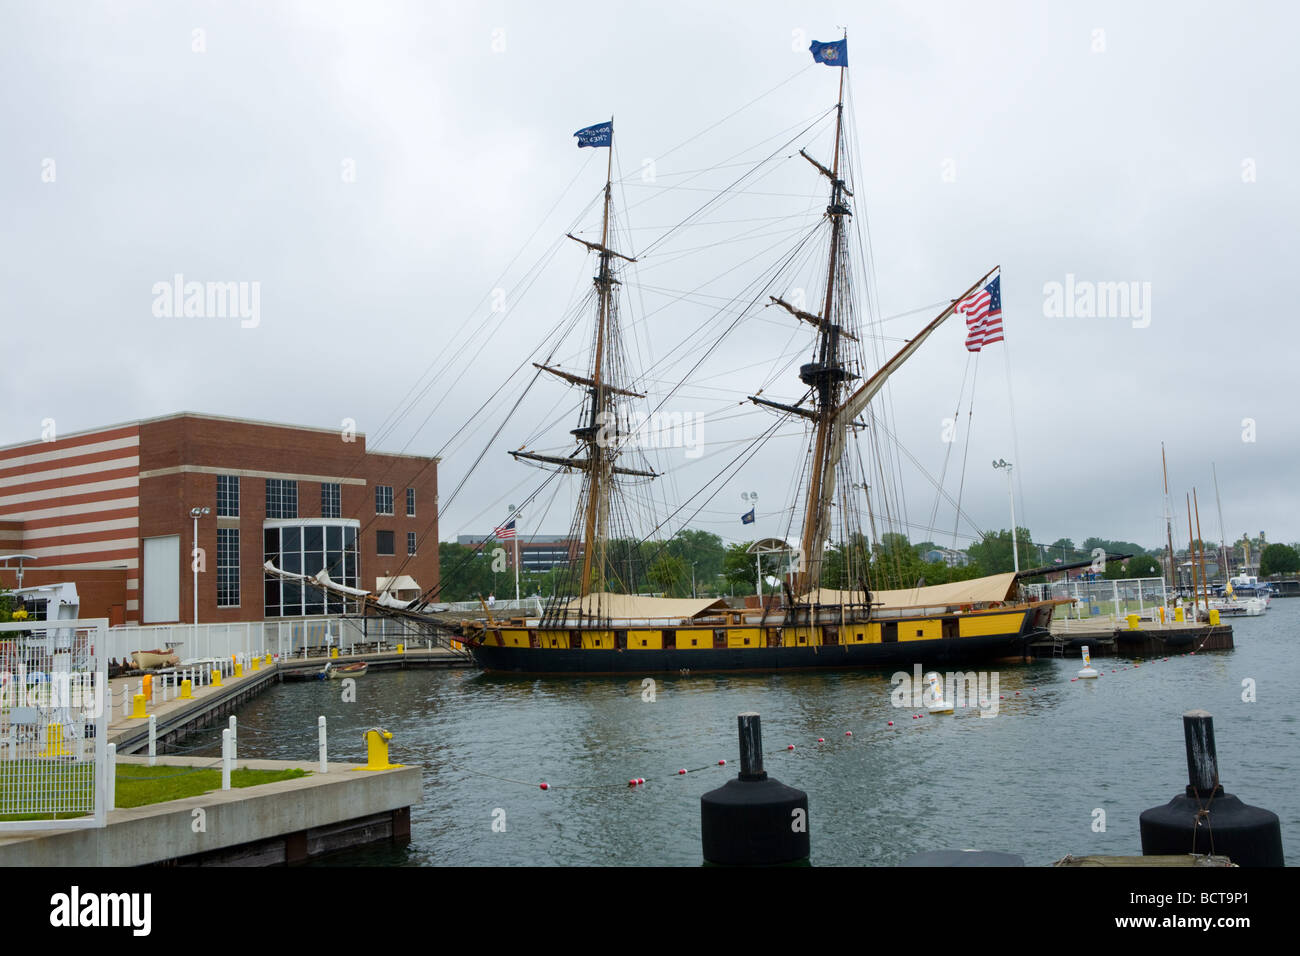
{"x": 1106, "y": 637}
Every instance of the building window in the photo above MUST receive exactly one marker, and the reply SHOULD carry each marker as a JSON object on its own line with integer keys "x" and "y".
{"x": 384, "y": 542}
{"x": 331, "y": 501}
{"x": 227, "y": 567}
{"x": 281, "y": 498}
{"x": 383, "y": 499}
{"x": 410, "y": 542}
{"x": 308, "y": 548}
{"x": 227, "y": 496}
{"x": 410, "y": 503}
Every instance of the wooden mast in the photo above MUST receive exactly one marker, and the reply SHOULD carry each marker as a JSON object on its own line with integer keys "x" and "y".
{"x": 1205, "y": 582}
{"x": 1169, "y": 520}
{"x": 597, "y": 517}
{"x": 825, "y": 375}
{"x": 1191, "y": 554}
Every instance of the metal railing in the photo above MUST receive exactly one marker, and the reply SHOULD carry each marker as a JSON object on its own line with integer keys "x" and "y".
{"x": 284, "y": 639}
{"x": 53, "y": 724}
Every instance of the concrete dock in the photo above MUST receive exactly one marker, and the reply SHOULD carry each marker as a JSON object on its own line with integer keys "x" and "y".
{"x": 286, "y": 822}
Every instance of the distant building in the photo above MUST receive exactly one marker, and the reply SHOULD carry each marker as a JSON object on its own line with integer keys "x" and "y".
{"x": 954, "y": 559}
{"x": 109, "y": 510}
{"x": 537, "y": 552}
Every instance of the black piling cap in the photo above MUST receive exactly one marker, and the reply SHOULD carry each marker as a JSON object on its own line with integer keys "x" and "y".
{"x": 1205, "y": 819}
{"x": 754, "y": 820}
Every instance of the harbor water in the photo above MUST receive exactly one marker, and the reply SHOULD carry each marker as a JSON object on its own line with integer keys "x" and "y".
{"x": 1062, "y": 767}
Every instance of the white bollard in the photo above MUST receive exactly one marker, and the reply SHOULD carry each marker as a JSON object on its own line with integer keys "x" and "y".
{"x": 234, "y": 735}
{"x": 320, "y": 729}
{"x": 225, "y": 760}
{"x": 111, "y": 796}
{"x": 153, "y": 690}
{"x": 126, "y": 701}
{"x": 153, "y": 739}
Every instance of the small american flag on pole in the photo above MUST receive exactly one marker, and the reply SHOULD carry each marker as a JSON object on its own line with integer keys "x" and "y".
{"x": 983, "y": 311}
{"x": 507, "y": 530}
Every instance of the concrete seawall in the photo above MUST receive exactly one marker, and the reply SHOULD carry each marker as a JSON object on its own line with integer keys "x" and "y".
{"x": 276, "y": 823}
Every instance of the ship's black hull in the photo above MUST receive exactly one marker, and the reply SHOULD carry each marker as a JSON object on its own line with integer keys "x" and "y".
{"x": 531, "y": 660}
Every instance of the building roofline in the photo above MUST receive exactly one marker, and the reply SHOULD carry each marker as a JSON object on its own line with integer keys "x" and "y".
{"x": 217, "y": 418}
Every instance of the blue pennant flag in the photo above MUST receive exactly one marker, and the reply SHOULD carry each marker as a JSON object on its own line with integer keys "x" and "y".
{"x": 832, "y": 54}
{"x": 602, "y": 134}
{"x": 748, "y": 517}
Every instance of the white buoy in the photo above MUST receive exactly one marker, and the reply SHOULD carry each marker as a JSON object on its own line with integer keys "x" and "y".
{"x": 1087, "y": 664}
{"x": 938, "y": 705}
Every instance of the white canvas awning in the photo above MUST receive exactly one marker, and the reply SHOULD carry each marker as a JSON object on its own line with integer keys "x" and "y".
{"x": 400, "y": 582}
{"x": 994, "y": 589}
{"x": 636, "y": 607}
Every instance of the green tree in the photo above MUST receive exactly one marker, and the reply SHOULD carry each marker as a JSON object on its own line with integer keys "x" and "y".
{"x": 993, "y": 553}
{"x": 670, "y": 575}
{"x": 1279, "y": 559}
{"x": 465, "y": 573}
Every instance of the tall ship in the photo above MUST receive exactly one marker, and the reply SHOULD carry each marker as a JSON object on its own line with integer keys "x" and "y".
{"x": 834, "y": 609}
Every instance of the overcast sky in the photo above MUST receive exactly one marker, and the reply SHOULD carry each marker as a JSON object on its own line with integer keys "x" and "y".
{"x": 379, "y": 169}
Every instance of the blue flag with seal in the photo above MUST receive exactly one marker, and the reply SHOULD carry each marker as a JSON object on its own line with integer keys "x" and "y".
{"x": 832, "y": 54}
{"x": 602, "y": 134}
{"x": 747, "y": 517}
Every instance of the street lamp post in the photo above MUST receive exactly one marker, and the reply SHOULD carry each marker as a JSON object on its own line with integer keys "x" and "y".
{"x": 1015, "y": 549}
{"x": 196, "y": 514}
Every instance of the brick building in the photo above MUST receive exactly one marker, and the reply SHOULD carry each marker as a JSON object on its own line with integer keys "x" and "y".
{"x": 110, "y": 510}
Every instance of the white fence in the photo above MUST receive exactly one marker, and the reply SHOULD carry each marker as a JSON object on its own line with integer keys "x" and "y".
{"x": 1117, "y": 599}
{"x": 53, "y": 724}
{"x": 284, "y": 639}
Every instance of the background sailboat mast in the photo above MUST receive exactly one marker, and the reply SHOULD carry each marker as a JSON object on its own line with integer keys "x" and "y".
{"x": 597, "y": 518}
{"x": 1169, "y": 520}
{"x": 825, "y": 375}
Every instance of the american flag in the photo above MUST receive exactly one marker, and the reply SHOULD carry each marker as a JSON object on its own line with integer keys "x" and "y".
{"x": 983, "y": 311}
{"x": 507, "y": 530}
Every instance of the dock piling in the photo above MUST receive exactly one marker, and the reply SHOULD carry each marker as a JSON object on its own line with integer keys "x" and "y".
{"x": 1204, "y": 816}
{"x": 320, "y": 731}
{"x": 753, "y": 820}
{"x": 226, "y": 759}
{"x": 153, "y": 739}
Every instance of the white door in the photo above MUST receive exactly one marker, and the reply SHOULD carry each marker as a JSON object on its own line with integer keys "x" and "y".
{"x": 162, "y": 580}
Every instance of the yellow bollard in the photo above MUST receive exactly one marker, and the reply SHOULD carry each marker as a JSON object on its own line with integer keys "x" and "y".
{"x": 216, "y": 678}
{"x": 1162, "y": 614}
{"x": 1214, "y": 617}
{"x": 138, "y": 713}
{"x": 401, "y": 648}
{"x": 268, "y": 660}
{"x": 1133, "y": 622}
{"x": 148, "y": 686}
{"x": 1178, "y": 615}
{"x": 54, "y": 742}
{"x": 377, "y": 750}
{"x": 334, "y": 652}
{"x": 254, "y": 663}
{"x": 187, "y": 691}
{"x": 239, "y": 669}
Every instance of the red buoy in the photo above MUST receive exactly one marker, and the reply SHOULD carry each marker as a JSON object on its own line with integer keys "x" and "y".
{"x": 789, "y": 747}
{"x": 682, "y": 771}
{"x": 821, "y": 740}
{"x": 891, "y": 723}
{"x": 722, "y": 763}
{"x": 848, "y": 733}
{"x": 632, "y": 782}
{"x": 545, "y": 786}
